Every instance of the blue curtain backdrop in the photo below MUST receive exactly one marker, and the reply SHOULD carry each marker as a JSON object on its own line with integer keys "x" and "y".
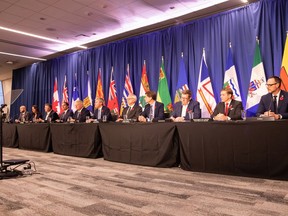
{"x": 266, "y": 19}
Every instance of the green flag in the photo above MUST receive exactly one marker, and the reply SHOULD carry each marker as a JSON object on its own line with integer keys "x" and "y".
{"x": 163, "y": 94}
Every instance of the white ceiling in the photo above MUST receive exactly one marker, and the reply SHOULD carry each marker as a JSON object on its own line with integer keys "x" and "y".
{"x": 88, "y": 22}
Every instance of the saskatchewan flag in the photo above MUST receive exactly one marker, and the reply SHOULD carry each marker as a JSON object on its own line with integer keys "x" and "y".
{"x": 284, "y": 68}
{"x": 144, "y": 86}
{"x": 163, "y": 94}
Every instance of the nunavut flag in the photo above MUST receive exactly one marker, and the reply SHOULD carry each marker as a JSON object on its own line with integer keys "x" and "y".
{"x": 205, "y": 94}
{"x": 284, "y": 68}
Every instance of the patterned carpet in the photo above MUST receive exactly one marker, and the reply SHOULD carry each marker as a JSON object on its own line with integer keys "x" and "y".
{"x": 71, "y": 186}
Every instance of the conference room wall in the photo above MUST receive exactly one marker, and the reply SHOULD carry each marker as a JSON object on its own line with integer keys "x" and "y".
{"x": 266, "y": 19}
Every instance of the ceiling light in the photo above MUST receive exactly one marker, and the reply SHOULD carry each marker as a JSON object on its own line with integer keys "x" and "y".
{"x": 22, "y": 56}
{"x": 244, "y": 1}
{"x": 10, "y": 62}
{"x": 41, "y": 37}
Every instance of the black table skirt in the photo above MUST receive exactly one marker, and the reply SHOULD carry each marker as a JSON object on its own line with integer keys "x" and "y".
{"x": 144, "y": 144}
{"x": 10, "y": 135}
{"x": 34, "y": 136}
{"x": 81, "y": 139}
{"x": 257, "y": 149}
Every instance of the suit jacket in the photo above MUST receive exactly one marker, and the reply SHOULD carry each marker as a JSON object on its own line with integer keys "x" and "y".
{"x": 104, "y": 111}
{"x": 193, "y": 106}
{"x": 26, "y": 115}
{"x": 158, "y": 112}
{"x": 65, "y": 115}
{"x": 234, "y": 111}
{"x": 53, "y": 115}
{"x": 134, "y": 113}
{"x": 81, "y": 116}
{"x": 36, "y": 116}
{"x": 266, "y": 104}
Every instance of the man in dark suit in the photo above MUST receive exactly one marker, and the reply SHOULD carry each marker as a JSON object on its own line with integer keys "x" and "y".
{"x": 24, "y": 115}
{"x": 81, "y": 112}
{"x": 182, "y": 109}
{"x": 101, "y": 110}
{"x": 228, "y": 109}
{"x": 66, "y": 112}
{"x": 153, "y": 110}
{"x": 132, "y": 111}
{"x": 275, "y": 103}
{"x": 51, "y": 115}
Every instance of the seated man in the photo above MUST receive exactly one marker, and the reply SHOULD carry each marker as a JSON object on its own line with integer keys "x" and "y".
{"x": 275, "y": 103}
{"x": 51, "y": 115}
{"x": 187, "y": 105}
{"x": 66, "y": 112}
{"x": 101, "y": 110}
{"x": 153, "y": 109}
{"x": 228, "y": 109}
{"x": 81, "y": 112}
{"x": 132, "y": 111}
{"x": 24, "y": 115}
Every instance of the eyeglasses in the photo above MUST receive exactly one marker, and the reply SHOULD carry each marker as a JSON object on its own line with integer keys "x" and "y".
{"x": 270, "y": 84}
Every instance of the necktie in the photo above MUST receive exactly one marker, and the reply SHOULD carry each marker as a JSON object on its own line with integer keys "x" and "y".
{"x": 151, "y": 111}
{"x": 78, "y": 115}
{"x": 275, "y": 103}
{"x": 128, "y": 110}
{"x": 226, "y": 109}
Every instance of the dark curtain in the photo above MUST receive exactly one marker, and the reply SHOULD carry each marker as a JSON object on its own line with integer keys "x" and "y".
{"x": 266, "y": 19}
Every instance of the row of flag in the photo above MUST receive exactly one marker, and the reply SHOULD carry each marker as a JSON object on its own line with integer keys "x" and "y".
{"x": 205, "y": 94}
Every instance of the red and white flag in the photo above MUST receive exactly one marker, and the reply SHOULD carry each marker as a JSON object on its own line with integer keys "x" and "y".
{"x": 55, "y": 104}
{"x": 113, "y": 99}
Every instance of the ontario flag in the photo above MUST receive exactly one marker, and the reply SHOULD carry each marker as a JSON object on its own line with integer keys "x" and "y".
{"x": 112, "y": 99}
{"x": 205, "y": 94}
{"x": 257, "y": 86}
{"x": 64, "y": 93}
{"x": 230, "y": 78}
{"x": 55, "y": 103}
{"x": 99, "y": 90}
{"x": 144, "y": 86}
{"x": 128, "y": 89}
{"x": 182, "y": 81}
{"x": 284, "y": 68}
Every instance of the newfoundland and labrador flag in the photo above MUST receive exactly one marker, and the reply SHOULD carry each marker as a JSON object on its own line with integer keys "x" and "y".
{"x": 205, "y": 95}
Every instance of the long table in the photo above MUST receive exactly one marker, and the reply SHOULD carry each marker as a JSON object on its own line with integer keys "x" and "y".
{"x": 81, "y": 139}
{"x": 243, "y": 148}
{"x": 257, "y": 149}
{"x": 10, "y": 136}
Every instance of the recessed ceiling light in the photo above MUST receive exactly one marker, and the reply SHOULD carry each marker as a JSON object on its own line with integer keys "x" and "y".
{"x": 10, "y": 62}
{"x": 42, "y": 37}
{"x": 244, "y": 1}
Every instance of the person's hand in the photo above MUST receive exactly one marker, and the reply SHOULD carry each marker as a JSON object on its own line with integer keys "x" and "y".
{"x": 220, "y": 117}
{"x": 142, "y": 119}
{"x": 179, "y": 119}
{"x": 17, "y": 120}
{"x": 119, "y": 120}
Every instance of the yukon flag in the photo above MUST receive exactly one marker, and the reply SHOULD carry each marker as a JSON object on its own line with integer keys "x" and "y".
{"x": 87, "y": 99}
{"x": 163, "y": 94}
{"x": 112, "y": 99}
{"x": 75, "y": 94}
{"x": 144, "y": 86}
{"x": 257, "y": 86}
{"x": 128, "y": 89}
{"x": 205, "y": 95}
{"x": 55, "y": 104}
{"x": 99, "y": 90}
{"x": 284, "y": 68}
{"x": 230, "y": 78}
{"x": 182, "y": 81}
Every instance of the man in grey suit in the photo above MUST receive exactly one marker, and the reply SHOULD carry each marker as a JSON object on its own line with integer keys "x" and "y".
{"x": 132, "y": 111}
{"x": 228, "y": 109}
{"x": 187, "y": 105}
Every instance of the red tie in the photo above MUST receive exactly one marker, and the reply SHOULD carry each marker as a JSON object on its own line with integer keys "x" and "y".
{"x": 226, "y": 109}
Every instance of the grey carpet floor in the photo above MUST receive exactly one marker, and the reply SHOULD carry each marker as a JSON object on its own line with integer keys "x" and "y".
{"x": 71, "y": 186}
